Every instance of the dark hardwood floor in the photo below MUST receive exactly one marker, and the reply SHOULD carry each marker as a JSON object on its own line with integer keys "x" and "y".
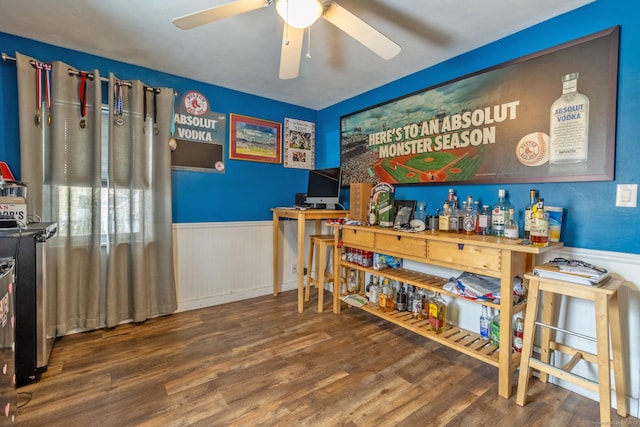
{"x": 259, "y": 362}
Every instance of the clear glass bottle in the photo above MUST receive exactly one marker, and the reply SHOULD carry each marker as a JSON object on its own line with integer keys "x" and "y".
{"x": 500, "y": 214}
{"x": 518, "y": 332}
{"x": 533, "y": 197}
{"x": 484, "y": 221}
{"x": 470, "y": 216}
{"x": 421, "y": 212}
{"x": 367, "y": 289}
{"x": 417, "y": 308}
{"x": 437, "y": 314}
{"x": 352, "y": 283}
{"x": 511, "y": 228}
{"x": 391, "y": 296}
{"x": 539, "y": 224}
{"x": 374, "y": 294}
{"x": 484, "y": 323}
{"x": 569, "y": 126}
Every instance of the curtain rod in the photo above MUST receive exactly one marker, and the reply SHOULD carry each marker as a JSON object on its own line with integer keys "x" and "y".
{"x": 73, "y": 72}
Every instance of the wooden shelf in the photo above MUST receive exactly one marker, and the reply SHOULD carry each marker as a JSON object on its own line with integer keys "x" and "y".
{"x": 426, "y": 281}
{"x": 459, "y": 339}
{"x": 486, "y": 255}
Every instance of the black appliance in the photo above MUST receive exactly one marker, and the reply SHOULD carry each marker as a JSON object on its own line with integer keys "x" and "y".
{"x": 7, "y": 342}
{"x": 34, "y": 298}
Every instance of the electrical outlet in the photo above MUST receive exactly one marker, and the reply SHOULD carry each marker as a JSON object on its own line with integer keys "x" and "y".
{"x": 294, "y": 268}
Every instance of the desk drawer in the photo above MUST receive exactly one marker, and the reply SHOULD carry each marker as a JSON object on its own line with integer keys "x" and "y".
{"x": 466, "y": 256}
{"x": 357, "y": 237}
{"x": 393, "y": 244}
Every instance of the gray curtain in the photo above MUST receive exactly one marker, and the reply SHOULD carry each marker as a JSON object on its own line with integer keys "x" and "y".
{"x": 114, "y": 236}
{"x": 140, "y": 276}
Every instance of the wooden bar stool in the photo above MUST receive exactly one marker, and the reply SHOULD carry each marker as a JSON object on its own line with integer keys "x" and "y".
{"x": 323, "y": 243}
{"x": 605, "y": 299}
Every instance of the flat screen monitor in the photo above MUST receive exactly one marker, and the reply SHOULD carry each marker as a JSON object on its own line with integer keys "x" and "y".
{"x": 323, "y": 190}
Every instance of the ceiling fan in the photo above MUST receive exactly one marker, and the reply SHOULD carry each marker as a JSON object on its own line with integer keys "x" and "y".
{"x": 298, "y": 15}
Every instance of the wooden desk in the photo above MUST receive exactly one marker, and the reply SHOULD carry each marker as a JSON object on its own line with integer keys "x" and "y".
{"x": 301, "y": 216}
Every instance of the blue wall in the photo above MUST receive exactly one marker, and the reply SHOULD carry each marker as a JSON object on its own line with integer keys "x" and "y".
{"x": 248, "y": 189}
{"x": 592, "y": 220}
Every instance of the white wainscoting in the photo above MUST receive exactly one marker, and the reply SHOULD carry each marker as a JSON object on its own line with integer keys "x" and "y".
{"x": 231, "y": 261}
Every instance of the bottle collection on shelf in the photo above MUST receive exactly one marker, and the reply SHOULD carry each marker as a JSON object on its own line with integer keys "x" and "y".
{"x": 389, "y": 295}
{"x": 498, "y": 220}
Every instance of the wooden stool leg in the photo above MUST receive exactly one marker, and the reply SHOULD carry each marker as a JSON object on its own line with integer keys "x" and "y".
{"x": 527, "y": 343}
{"x": 320, "y": 276}
{"x": 602, "y": 345}
{"x": 547, "y": 335}
{"x": 616, "y": 346}
{"x": 309, "y": 267}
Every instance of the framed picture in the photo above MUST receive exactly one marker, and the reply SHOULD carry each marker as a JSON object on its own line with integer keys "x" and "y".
{"x": 299, "y": 144}
{"x": 399, "y": 204}
{"x": 255, "y": 139}
{"x": 546, "y": 117}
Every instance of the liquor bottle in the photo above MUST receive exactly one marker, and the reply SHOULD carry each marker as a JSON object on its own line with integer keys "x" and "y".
{"x": 391, "y": 295}
{"x": 454, "y": 217}
{"x": 418, "y": 300}
{"x": 484, "y": 323}
{"x": 374, "y": 294}
{"x": 410, "y": 293}
{"x": 352, "y": 283}
{"x": 437, "y": 314}
{"x": 401, "y": 298}
{"x": 484, "y": 221}
{"x": 384, "y": 291}
{"x": 470, "y": 217}
{"x": 500, "y": 214}
{"x": 367, "y": 289}
{"x": 569, "y": 127}
{"x": 476, "y": 210}
{"x": 443, "y": 219}
{"x": 494, "y": 330}
{"x": 421, "y": 212}
{"x": 539, "y": 224}
{"x": 527, "y": 214}
{"x": 518, "y": 331}
{"x": 511, "y": 228}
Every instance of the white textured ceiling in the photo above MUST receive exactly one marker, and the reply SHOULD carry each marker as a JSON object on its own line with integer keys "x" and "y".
{"x": 243, "y": 52}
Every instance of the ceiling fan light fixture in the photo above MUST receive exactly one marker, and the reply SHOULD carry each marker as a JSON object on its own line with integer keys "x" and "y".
{"x": 299, "y": 13}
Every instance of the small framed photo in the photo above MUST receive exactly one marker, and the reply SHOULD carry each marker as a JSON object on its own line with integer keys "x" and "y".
{"x": 255, "y": 139}
{"x": 399, "y": 204}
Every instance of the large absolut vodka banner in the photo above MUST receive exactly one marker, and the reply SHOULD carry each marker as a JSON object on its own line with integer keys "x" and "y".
{"x": 549, "y": 116}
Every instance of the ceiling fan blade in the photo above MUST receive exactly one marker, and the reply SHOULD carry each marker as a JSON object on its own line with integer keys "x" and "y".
{"x": 361, "y": 31}
{"x": 291, "y": 52}
{"x": 206, "y": 16}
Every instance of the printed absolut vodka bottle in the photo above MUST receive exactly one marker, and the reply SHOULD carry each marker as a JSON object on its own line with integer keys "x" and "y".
{"x": 569, "y": 127}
